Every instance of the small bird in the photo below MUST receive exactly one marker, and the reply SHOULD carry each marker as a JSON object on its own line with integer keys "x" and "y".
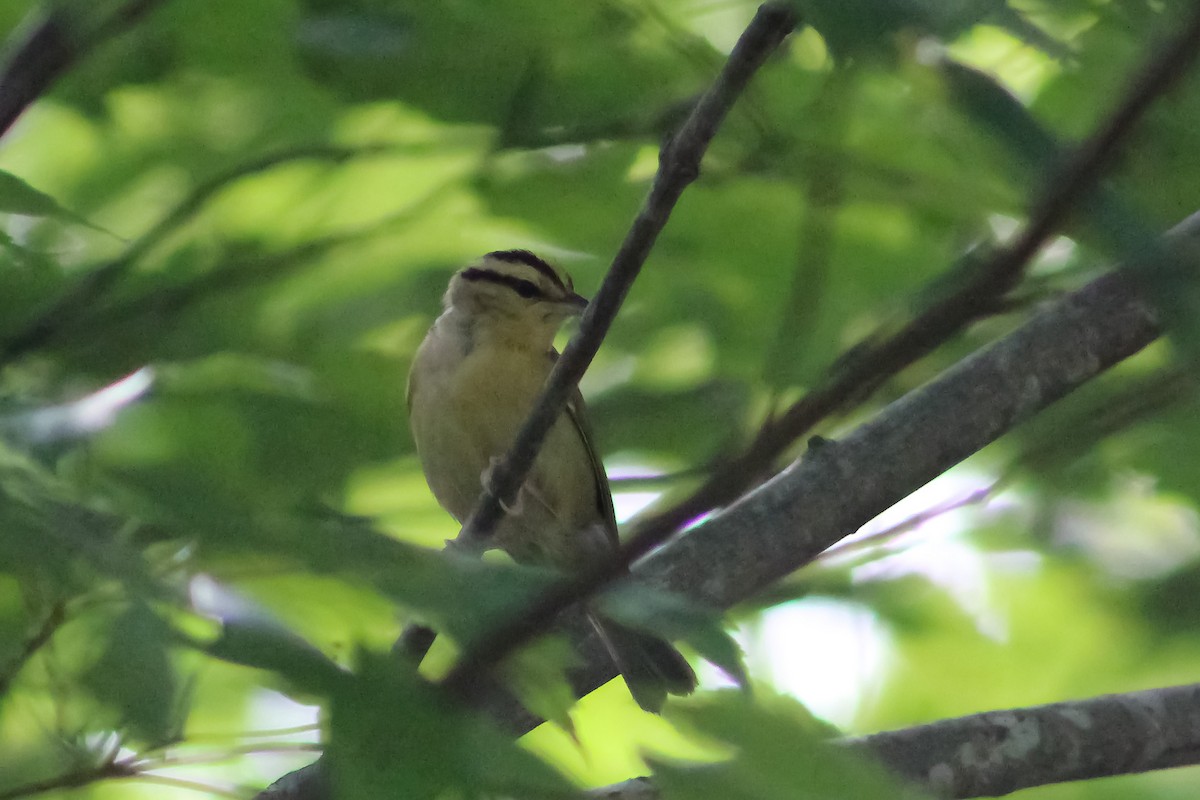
{"x": 474, "y": 380}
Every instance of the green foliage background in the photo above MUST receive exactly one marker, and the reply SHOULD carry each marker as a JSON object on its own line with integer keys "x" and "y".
{"x": 275, "y": 193}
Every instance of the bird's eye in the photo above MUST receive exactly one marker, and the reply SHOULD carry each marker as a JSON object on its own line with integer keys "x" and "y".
{"x": 527, "y": 289}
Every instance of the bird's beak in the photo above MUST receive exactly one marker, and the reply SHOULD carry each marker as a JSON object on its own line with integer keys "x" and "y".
{"x": 574, "y": 304}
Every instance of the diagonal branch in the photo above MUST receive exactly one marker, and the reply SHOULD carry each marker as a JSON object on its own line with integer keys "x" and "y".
{"x": 679, "y": 165}
{"x": 52, "y": 622}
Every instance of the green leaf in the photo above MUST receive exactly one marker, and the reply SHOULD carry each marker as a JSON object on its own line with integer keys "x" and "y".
{"x": 392, "y": 734}
{"x": 778, "y": 751}
{"x": 1120, "y": 230}
{"x": 999, "y": 112}
{"x": 251, "y": 637}
{"x": 460, "y": 595}
{"x": 676, "y": 618}
{"x": 18, "y": 197}
{"x": 134, "y": 676}
{"x": 1109, "y": 221}
{"x": 537, "y": 674}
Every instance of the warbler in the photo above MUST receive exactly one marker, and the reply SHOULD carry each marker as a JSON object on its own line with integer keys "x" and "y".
{"x": 473, "y": 382}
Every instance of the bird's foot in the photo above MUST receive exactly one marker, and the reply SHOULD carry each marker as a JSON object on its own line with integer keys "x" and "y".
{"x": 485, "y": 478}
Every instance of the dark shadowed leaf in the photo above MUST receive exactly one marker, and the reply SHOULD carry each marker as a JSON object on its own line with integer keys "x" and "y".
{"x": 778, "y": 751}
{"x": 537, "y": 675}
{"x": 134, "y": 676}
{"x": 392, "y": 734}
{"x": 251, "y": 637}
{"x": 676, "y": 618}
{"x": 18, "y": 197}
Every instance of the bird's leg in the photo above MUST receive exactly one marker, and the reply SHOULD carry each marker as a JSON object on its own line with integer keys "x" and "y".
{"x": 485, "y": 478}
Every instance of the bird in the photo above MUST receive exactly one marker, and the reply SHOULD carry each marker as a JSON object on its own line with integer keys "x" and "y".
{"x": 473, "y": 381}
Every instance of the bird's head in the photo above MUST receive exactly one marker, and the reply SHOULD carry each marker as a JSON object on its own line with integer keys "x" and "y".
{"x": 517, "y": 292}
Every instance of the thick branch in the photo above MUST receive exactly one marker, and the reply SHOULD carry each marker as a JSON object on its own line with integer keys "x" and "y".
{"x": 992, "y": 754}
{"x": 841, "y": 485}
{"x": 998, "y": 752}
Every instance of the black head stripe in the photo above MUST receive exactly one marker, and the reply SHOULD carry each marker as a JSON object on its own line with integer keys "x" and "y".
{"x": 530, "y": 260}
{"x": 527, "y": 289}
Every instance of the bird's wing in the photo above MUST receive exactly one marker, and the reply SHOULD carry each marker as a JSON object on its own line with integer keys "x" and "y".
{"x": 577, "y": 413}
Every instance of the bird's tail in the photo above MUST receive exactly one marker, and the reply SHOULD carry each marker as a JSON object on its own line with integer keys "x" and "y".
{"x": 652, "y": 668}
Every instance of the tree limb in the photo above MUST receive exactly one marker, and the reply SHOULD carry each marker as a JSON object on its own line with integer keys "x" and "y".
{"x": 998, "y": 752}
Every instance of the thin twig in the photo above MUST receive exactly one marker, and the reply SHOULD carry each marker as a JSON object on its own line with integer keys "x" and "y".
{"x": 848, "y": 547}
{"x": 194, "y": 738}
{"x": 139, "y": 767}
{"x": 72, "y": 780}
{"x": 195, "y": 786}
{"x": 875, "y": 363}
{"x": 144, "y": 762}
{"x": 679, "y": 165}
{"x": 36, "y": 642}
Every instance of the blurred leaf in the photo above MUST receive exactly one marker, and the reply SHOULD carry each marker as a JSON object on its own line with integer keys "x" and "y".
{"x": 1173, "y": 603}
{"x": 18, "y": 197}
{"x": 1120, "y": 230}
{"x": 394, "y": 735}
{"x": 868, "y": 28}
{"x": 251, "y": 637}
{"x": 1108, "y": 219}
{"x": 80, "y": 418}
{"x": 778, "y": 751}
{"x": 687, "y": 423}
{"x": 134, "y": 676}
{"x": 998, "y": 111}
{"x": 461, "y": 596}
{"x": 537, "y": 674}
{"x": 676, "y": 618}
